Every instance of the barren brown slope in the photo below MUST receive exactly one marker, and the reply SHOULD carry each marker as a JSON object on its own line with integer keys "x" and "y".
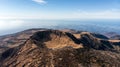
{"x": 40, "y": 44}
{"x": 13, "y": 40}
{"x": 53, "y": 48}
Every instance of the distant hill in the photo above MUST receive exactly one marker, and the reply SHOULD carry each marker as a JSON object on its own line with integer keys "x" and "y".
{"x": 110, "y": 34}
{"x": 115, "y": 37}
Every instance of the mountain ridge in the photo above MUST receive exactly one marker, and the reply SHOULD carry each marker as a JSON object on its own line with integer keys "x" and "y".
{"x": 55, "y": 48}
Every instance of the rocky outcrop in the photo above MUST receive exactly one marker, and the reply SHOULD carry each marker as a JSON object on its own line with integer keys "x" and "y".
{"x": 100, "y": 36}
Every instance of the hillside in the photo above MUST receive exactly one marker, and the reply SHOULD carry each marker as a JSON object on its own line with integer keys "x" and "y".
{"x": 13, "y": 40}
{"x": 54, "y": 48}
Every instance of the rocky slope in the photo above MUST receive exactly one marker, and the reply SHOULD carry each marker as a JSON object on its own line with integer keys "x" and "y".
{"x": 13, "y": 40}
{"x": 54, "y": 48}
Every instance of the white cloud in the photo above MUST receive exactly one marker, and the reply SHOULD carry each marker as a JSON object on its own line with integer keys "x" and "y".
{"x": 10, "y": 24}
{"x": 40, "y": 1}
{"x": 107, "y": 14}
{"x": 80, "y": 14}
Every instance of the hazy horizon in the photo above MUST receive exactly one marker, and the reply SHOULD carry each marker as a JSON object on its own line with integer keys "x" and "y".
{"x": 99, "y": 26}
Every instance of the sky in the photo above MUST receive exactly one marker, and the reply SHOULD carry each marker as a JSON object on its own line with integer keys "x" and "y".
{"x": 59, "y": 9}
{"x": 12, "y": 12}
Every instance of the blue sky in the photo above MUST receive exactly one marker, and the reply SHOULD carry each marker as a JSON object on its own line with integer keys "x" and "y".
{"x": 59, "y": 9}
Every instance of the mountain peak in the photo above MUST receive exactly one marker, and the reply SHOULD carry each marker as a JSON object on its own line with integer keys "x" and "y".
{"x": 54, "y": 39}
{"x": 54, "y": 48}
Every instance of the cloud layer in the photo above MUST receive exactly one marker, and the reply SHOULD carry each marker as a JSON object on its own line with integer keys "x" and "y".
{"x": 40, "y": 1}
{"x": 10, "y": 24}
{"x": 106, "y": 14}
{"x": 80, "y": 14}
